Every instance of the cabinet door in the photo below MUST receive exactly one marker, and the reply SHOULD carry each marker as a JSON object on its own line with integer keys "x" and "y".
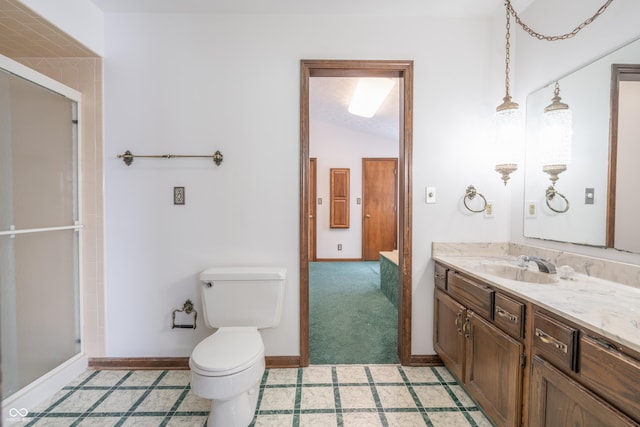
{"x": 448, "y": 339}
{"x": 494, "y": 371}
{"x": 557, "y": 401}
{"x": 339, "y": 195}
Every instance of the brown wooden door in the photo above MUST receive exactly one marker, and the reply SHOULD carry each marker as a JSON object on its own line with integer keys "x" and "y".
{"x": 379, "y": 210}
{"x": 313, "y": 196}
{"x": 493, "y": 371}
{"x": 448, "y": 340}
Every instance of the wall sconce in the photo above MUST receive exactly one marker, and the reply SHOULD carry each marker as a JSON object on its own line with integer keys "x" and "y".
{"x": 508, "y": 121}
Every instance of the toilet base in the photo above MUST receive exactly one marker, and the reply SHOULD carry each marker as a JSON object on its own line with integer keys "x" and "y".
{"x": 236, "y": 412}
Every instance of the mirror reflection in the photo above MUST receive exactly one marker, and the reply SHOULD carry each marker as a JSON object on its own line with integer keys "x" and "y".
{"x": 601, "y": 206}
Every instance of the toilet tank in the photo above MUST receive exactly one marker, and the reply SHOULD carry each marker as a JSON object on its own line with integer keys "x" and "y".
{"x": 242, "y": 296}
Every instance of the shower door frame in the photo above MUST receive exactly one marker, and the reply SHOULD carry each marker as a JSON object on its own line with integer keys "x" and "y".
{"x": 55, "y": 379}
{"x": 403, "y": 70}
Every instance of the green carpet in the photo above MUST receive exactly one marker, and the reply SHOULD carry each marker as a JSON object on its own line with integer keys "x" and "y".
{"x": 350, "y": 320}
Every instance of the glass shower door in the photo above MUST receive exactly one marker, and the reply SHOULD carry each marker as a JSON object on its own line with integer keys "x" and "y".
{"x": 39, "y": 231}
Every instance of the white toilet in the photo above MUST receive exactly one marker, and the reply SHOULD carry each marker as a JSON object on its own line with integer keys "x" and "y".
{"x": 228, "y": 365}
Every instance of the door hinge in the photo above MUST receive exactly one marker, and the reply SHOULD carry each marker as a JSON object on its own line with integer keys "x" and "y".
{"x": 523, "y": 360}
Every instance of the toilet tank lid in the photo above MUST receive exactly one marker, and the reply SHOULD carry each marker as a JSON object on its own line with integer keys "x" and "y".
{"x": 243, "y": 273}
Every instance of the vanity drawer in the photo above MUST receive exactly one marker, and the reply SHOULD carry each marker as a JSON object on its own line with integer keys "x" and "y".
{"x": 440, "y": 277}
{"x": 476, "y": 296}
{"x": 555, "y": 341}
{"x": 614, "y": 375}
{"x": 508, "y": 315}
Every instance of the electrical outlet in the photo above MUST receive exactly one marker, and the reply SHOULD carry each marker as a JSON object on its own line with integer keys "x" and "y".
{"x": 339, "y": 246}
{"x": 531, "y": 209}
{"x": 488, "y": 211}
{"x": 178, "y": 195}
{"x": 319, "y": 200}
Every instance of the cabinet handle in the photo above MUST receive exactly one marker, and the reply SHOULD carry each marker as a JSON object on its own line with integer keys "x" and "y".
{"x": 548, "y": 339}
{"x": 504, "y": 313}
{"x": 440, "y": 276}
{"x": 467, "y": 328}
{"x": 604, "y": 343}
{"x": 458, "y": 322}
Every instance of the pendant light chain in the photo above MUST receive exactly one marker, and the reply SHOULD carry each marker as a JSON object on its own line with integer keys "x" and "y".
{"x": 539, "y": 36}
{"x": 507, "y": 58}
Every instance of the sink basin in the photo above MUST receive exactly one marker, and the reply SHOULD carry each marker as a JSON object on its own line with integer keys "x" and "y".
{"x": 513, "y": 272}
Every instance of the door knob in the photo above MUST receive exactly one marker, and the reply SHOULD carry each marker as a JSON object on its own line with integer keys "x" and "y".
{"x": 310, "y": 216}
{"x": 367, "y": 216}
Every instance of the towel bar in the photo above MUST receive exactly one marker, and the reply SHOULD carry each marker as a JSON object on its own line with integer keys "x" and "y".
{"x": 128, "y": 157}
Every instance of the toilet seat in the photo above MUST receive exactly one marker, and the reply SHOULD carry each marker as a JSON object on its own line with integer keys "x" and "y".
{"x": 227, "y": 351}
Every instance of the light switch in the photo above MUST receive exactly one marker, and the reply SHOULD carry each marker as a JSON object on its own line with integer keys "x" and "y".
{"x": 430, "y": 195}
{"x": 589, "y": 195}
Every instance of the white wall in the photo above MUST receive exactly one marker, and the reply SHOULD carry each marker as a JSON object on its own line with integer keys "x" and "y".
{"x": 195, "y": 84}
{"x": 539, "y": 62}
{"x": 340, "y": 147}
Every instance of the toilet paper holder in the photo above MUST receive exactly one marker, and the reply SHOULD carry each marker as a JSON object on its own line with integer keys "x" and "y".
{"x": 188, "y": 309}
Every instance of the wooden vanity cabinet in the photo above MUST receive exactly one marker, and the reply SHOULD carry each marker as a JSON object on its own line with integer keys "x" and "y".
{"x": 546, "y": 372}
{"x": 493, "y": 370}
{"x": 558, "y": 401}
{"x": 580, "y": 379}
{"x": 615, "y": 375}
{"x": 486, "y": 360}
{"x": 448, "y": 340}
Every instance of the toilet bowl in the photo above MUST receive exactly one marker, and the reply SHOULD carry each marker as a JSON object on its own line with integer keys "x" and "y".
{"x": 227, "y": 366}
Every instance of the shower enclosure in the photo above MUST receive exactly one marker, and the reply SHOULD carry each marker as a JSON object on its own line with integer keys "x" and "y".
{"x": 39, "y": 230}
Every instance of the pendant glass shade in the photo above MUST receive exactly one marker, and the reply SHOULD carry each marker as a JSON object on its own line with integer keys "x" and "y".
{"x": 555, "y": 137}
{"x": 508, "y": 137}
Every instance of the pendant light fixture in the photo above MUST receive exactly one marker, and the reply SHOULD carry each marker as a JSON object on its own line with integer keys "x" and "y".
{"x": 508, "y": 120}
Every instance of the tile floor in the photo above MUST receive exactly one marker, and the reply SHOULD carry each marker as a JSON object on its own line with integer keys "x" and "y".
{"x": 343, "y": 395}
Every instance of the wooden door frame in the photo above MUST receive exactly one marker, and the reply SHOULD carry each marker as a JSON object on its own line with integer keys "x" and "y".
{"x": 361, "y": 68}
{"x": 364, "y": 202}
{"x": 619, "y": 73}
{"x": 313, "y": 186}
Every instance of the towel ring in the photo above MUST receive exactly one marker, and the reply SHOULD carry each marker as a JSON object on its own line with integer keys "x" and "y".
{"x": 551, "y": 193}
{"x": 471, "y": 194}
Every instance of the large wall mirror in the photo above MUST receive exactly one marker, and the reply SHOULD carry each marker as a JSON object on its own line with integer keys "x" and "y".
{"x": 600, "y": 180}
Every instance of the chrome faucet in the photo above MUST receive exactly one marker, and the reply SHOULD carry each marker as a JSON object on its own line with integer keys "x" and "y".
{"x": 544, "y": 266}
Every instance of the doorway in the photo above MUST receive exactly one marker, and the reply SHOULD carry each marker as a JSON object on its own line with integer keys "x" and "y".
{"x": 403, "y": 70}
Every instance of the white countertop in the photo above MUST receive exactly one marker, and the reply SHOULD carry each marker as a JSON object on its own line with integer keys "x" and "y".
{"x": 608, "y": 308}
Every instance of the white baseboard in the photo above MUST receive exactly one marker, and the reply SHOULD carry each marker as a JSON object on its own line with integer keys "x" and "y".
{"x": 16, "y": 406}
